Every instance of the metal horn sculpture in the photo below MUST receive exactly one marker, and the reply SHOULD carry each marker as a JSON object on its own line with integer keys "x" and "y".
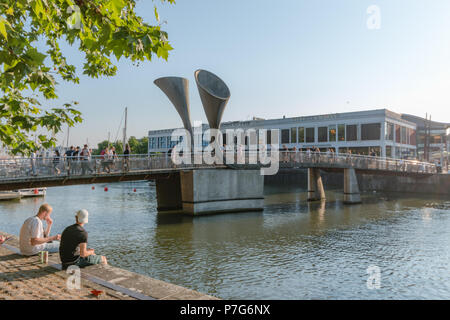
{"x": 177, "y": 90}
{"x": 214, "y": 94}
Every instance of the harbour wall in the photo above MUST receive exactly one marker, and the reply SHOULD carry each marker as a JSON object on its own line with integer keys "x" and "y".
{"x": 438, "y": 184}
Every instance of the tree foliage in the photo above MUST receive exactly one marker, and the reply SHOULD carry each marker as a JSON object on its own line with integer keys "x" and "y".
{"x": 137, "y": 146}
{"x": 103, "y": 30}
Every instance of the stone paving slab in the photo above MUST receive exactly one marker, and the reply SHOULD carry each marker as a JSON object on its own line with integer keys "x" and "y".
{"x": 29, "y": 278}
{"x": 25, "y": 278}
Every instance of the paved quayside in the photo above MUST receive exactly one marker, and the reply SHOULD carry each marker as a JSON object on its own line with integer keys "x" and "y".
{"x": 26, "y": 278}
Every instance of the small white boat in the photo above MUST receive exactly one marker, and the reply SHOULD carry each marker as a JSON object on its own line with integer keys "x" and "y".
{"x": 10, "y": 195}
{"x": 33, "y": 192}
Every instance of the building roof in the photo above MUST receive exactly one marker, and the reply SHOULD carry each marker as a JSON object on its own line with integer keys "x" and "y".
{"x": 420, "y": 122}
{"x": 323, "y": 117}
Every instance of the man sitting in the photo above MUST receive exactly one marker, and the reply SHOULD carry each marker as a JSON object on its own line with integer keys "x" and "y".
{"x": 73, "y": 249}
{"x": 32, "y": 236}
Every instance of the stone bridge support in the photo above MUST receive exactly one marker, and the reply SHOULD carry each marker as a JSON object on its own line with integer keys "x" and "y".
{"x": 206, "y": 191}
{"x": 351, "y": 188}
{"x": 168, "y": 193}
{"x": 315, "y": 185}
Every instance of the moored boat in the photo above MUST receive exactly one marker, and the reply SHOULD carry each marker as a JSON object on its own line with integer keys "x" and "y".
{"x": 33, "y": 192}
{"x": 10, "y": 195}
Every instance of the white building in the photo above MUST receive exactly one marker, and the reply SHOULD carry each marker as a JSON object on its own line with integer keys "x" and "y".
{"x": 382, "y": 131}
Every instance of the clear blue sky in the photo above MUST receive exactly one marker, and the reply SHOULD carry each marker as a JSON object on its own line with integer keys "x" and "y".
{"x": 288, "y": 57}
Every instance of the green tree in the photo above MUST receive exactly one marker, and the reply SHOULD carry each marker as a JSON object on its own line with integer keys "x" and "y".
{"x": 133, "y": 142}
{"x": 102, "y": 29}
{"x": 100, "y": 146}
{"x": 142, "y": 147}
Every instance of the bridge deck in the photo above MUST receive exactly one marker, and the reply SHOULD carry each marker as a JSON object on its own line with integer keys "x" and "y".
{"x": 20, "y": 173}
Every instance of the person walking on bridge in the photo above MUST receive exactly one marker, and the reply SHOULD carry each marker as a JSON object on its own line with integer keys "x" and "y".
{"x": 56, "y": 160}
{"x": 75, "y": 162}
{"x": 126, "y": 158}
{"x": 33, "y": 163}
{"x": 68, "y": 156}
{"x": 85, "y": 154}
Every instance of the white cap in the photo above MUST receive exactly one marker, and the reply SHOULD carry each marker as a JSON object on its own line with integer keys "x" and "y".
{"x": 82, "y": 216}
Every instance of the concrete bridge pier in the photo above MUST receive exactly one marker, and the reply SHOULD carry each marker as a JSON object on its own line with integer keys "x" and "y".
{"x": 168, "y": 193}
{"x": 351, "y": 188}
{"x": 315, "y": 185}
{"x": 198, "y": 192}
{"x": 221, "y": 190}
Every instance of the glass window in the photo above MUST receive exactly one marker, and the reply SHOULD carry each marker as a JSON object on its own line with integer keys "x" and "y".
{"x": 435, "y": 138}
{"x": 269, "y": 136}
{"x": 397, "y": 134}
{"x": 341, "y": 132}
{"x": 412, "y": 137}
{"x": 151, "y": 143}
{"x": 322, "y": 134}
{"x": 352, "y": 132}
{"x": 293, "y": 135}
{"x": 389, "y": 131}
{"x": 370, "y": 131}
{"x": 161, "y": 142}
{"x": 301, "y": 134}
{"x": 403, "y": 135}
{"x": 420, "y": 137}
{"x": 332, "y": 133}
{"x": 388, "y": 151}
{"x": 310, "y": 136}
{"x": 285, "y": 136}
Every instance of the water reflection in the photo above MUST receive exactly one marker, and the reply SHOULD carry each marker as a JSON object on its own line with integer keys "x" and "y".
{"x": 294, "y": 249}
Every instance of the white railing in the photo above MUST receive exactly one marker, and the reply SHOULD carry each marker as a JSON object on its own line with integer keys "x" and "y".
{"x": 13, "y": 168}
{"x": 292, "y": 159}
{"x": 93, "y": 165}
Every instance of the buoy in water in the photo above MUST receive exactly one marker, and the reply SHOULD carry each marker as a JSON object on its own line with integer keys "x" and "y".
{"x": 93, "y": 188}
{"x": 106, "y": 188}
{"x": 134, "y": 190}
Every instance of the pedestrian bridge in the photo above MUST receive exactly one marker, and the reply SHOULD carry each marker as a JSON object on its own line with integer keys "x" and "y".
{"x": 202, "y": 187}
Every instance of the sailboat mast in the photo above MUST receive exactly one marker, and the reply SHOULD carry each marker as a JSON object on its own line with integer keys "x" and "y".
{"x": 68, "y": 134}
{"x": 125, "y": 130}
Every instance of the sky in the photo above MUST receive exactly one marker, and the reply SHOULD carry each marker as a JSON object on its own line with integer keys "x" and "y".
{"x": 279, "y": 58}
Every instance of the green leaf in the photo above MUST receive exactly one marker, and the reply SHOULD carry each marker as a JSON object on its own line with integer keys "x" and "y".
{"x": 156, "y": 14}
{"x": 3, "y": 28}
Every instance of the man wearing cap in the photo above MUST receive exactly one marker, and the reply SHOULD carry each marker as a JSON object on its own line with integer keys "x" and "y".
{"x": 73, "y": 248}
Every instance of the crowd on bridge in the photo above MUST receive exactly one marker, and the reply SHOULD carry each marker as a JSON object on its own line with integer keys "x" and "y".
{"x": 314, "y": 154}
{"x": 80, "y": 161}
{"x": 76, "y": 160}
{"x": 293, "y": 157}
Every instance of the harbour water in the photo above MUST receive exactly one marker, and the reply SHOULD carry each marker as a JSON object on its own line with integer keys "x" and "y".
{"x": 291, "y": 250}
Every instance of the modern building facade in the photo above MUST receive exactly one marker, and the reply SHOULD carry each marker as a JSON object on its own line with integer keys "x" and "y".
{"x": 433, "y": 136}
{"x": 382, "y": 131}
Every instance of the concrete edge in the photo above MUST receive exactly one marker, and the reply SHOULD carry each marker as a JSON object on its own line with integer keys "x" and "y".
{"x": 116, "y": 278}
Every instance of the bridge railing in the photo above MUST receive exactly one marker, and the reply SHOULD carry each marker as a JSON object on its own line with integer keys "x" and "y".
{"x": 93, "y": 165}
{"x": 363, "y": 162}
